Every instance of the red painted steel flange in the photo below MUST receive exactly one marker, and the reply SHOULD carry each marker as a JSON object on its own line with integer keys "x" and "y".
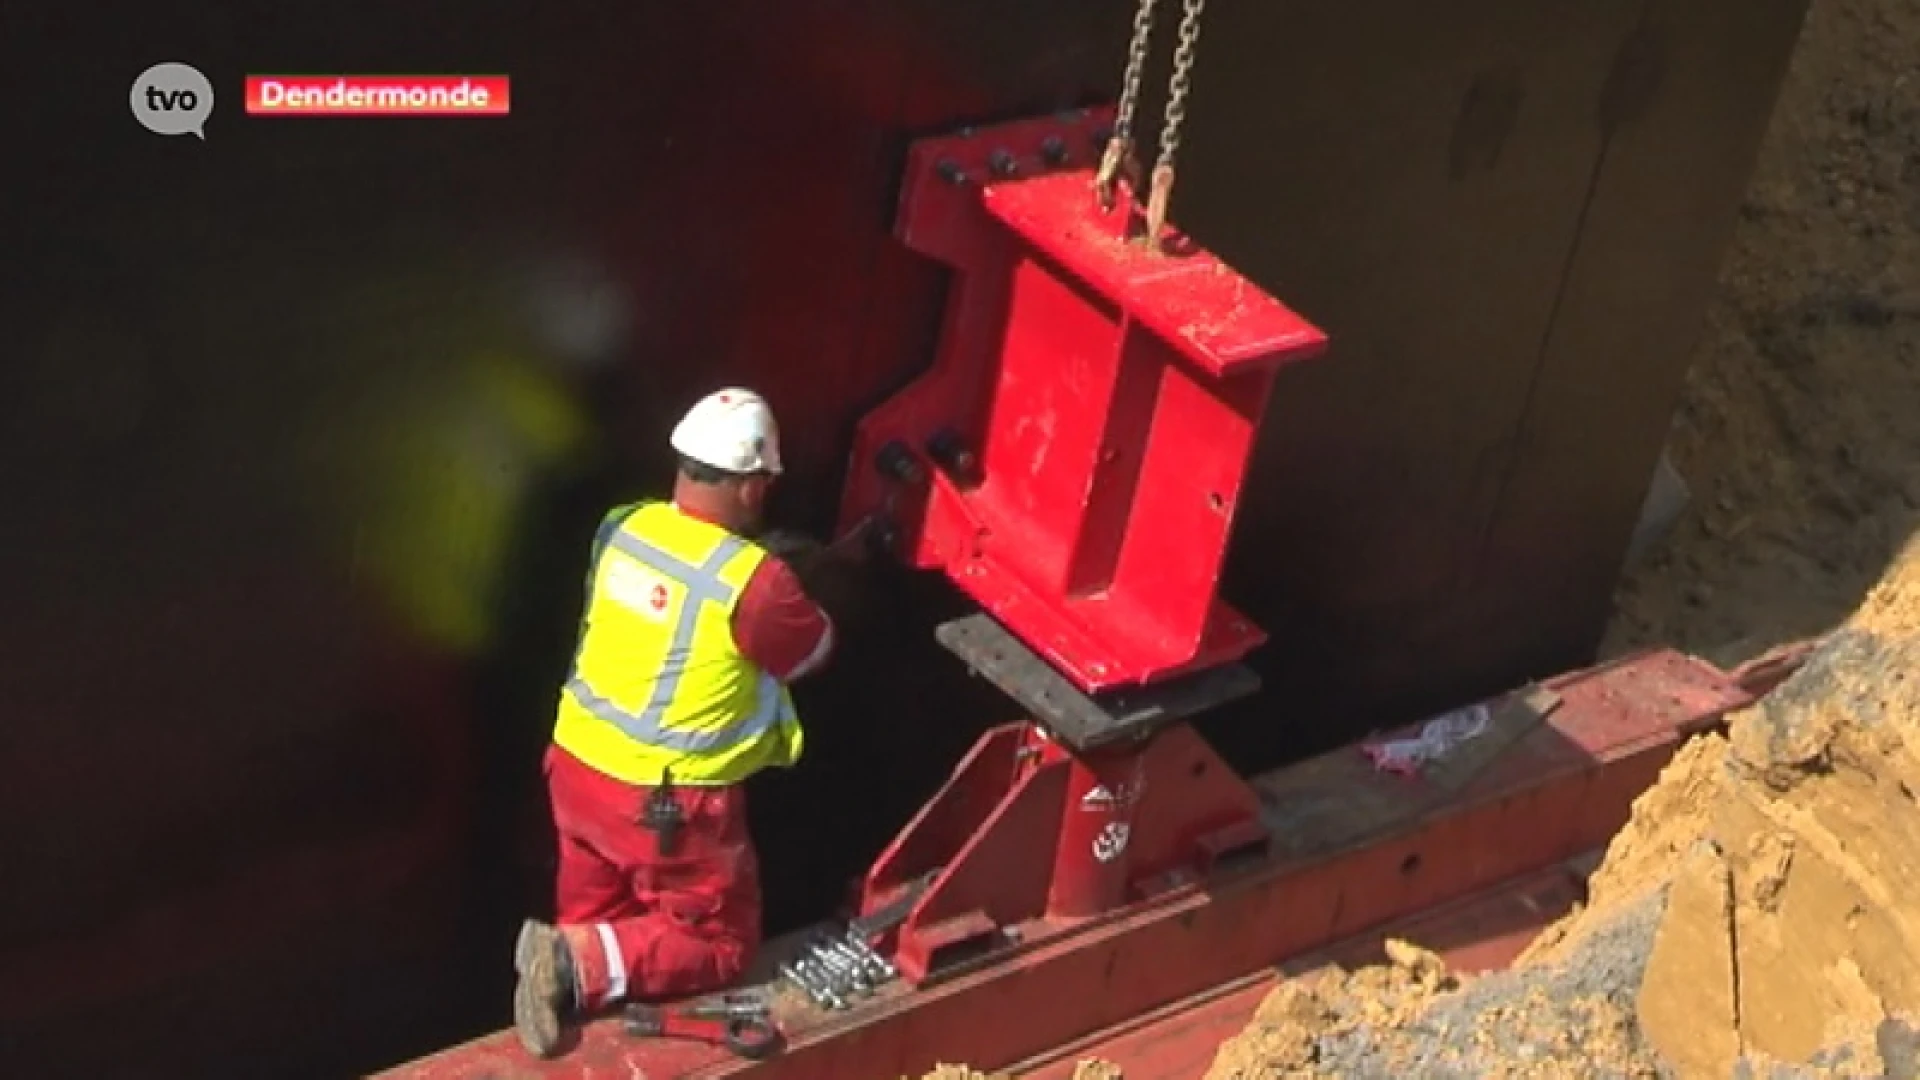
{"x": 1029, "y": 838}
{"x": 1074, "y": 457}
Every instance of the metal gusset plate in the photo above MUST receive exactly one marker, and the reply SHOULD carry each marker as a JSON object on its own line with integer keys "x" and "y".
{"x": 1078, "y": 719}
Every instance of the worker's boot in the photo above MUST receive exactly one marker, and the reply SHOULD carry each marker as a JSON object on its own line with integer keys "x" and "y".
{"x": 547, "y": 993}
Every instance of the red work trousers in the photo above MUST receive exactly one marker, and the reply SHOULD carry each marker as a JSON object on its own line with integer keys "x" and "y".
{"x": 642, "y": 925}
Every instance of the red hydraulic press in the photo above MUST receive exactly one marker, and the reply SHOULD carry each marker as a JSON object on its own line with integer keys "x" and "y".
{"x": 1072, "y": 460}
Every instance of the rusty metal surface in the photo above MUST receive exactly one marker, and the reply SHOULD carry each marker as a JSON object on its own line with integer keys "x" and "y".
{"x": 1341, "y": 799}
{"x": 1506, "y": 213}
{"x": 1556, "y": 795}
{"x": 1483, "y": 933}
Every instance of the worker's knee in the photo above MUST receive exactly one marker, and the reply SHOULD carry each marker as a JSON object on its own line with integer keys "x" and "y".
{"x": 731, "y": 957}
{"x": 683, "y": 962}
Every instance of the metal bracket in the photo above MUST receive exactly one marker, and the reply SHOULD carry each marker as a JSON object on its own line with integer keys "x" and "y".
{"x": 1074, "y": 458}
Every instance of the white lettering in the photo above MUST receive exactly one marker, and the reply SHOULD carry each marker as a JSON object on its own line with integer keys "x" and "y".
{"x": 1111, "y": 841}
{"x": 339, "y": 95}
{"x": 1119, "y": 797}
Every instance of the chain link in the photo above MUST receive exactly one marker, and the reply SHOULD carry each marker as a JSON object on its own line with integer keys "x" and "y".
{"x": 1118, "y": 156}
{"x": 1181, "y": 83}
{"x": 1161, "y": 194}
{"x": 1136, "y": 68}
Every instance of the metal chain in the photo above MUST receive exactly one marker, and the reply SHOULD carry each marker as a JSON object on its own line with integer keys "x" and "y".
{"x": 1162, "y": 191}
{"x": 1119, "y": 151}
{"x": 1182, "y": 81}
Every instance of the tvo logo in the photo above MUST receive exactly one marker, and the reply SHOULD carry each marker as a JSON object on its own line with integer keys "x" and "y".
{"x": 172, "y": 99}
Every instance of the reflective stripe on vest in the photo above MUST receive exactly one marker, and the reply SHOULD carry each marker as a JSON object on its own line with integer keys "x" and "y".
{"x": 703, "y": 586}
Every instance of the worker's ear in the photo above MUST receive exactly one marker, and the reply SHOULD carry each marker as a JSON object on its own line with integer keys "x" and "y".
{"x": 753, "y": 489}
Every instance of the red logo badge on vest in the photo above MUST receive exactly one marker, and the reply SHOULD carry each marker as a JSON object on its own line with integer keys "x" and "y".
{"x": 658, "y": 597}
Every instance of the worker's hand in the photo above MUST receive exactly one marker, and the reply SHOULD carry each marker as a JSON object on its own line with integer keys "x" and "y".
{"x": 791, "y": 546}
{"x": 859, "y": 542}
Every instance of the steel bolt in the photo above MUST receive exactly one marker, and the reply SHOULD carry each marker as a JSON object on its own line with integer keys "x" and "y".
{"x": 882, "y": 969}
{"x": 896, "y": 462}
{"x": 1053, "y": 150}
{"x": 1003, "y": 164}
{"x": 949, "y": 451}
{"x": 816, "y": 990}
{"x": 842, "y": 967}
{"x": 827, "y": 986}
{"x": 950, "y": 171}
{"x": 848, "y": 954}
{"x": 857, "y": 971}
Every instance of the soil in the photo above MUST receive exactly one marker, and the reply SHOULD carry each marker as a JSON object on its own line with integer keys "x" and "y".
{"x": 1755, "y": 917}
{"x": 1752, "y": 919}
{"x": 1797, "y": 431}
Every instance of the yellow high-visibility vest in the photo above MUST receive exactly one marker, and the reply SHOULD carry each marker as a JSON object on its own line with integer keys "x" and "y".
{"x": 657, "y": 680}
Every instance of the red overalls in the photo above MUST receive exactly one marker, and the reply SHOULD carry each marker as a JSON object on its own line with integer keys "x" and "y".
{"x": 641, "y": 925}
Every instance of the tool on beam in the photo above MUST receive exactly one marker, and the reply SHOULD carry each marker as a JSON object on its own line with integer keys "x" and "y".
{"x": 744, "y": 1027}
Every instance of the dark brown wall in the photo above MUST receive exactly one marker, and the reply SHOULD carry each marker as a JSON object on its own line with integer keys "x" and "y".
{"x": 270, "y": 822}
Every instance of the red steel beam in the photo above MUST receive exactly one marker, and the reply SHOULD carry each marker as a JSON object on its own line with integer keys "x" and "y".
{"x": 1485, "y": 932}
{"x": 1403, "y": 849}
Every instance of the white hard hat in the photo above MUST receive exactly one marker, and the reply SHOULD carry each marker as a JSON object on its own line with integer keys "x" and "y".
{"x": 730, "y": 429}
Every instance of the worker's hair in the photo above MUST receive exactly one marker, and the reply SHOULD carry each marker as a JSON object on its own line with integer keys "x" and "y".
{"x": 702, "y": 473}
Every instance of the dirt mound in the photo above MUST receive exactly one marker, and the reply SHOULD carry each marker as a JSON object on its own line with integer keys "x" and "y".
{"x": 1410, "y": 1019}
{"x": 1782, "y": 851}
{"x": 1796, "y": 433}
{"x": 1754, "y": 915}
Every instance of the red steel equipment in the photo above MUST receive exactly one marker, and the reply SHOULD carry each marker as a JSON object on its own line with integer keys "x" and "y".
{"x": 1072, "y": 460}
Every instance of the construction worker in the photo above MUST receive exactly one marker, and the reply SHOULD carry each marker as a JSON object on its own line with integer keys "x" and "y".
{"x": 678, "y": 694}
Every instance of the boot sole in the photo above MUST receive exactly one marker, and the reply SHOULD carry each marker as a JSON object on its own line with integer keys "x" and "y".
{"x": 527, "y": 945}
{"x": 536, "y": 1018}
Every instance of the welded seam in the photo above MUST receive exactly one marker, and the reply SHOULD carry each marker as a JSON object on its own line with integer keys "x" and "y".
{"x": 1547, "y": 336}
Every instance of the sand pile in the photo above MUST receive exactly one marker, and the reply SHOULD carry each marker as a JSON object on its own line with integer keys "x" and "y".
{"x": 1413, "y": 1019}
{"x": 1757, "y": 912}
{"x": 1785, "y": 852}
